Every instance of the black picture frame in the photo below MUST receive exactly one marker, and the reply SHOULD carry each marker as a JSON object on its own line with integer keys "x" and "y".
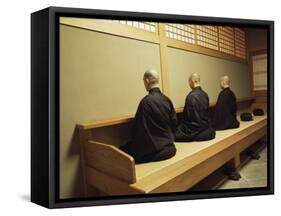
{"x": 45, "y": 106}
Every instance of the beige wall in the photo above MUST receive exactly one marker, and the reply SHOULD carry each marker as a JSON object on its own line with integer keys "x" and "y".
{"x": 182, "y": 63}
{"x": 100, "y": 78}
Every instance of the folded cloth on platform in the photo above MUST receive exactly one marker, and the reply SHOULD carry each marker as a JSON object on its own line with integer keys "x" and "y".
{"x": 258, "y": 112}
{"x": 246, "y": 116}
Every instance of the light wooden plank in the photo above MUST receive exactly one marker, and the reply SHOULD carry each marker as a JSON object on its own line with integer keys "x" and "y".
{"x": 110, "y": 160}
{"x": 163, "y": 59}
{"x": 106, "y": 122}
{"x": 191, "y": 177}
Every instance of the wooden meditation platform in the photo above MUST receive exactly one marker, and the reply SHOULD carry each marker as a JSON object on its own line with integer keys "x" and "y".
{"x": 114, "y": 172}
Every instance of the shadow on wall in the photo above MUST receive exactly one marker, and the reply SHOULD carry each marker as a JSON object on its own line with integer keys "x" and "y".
{"x": 74, "y": 151}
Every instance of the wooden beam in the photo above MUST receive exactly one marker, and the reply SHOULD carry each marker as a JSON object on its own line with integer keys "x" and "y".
{"x": 106, "y": 26}
{"x": 202, "y": 50}
{"x": 194, "y": 175}
{"x": 105, "y": 122}
{"x": 164, "y": 59}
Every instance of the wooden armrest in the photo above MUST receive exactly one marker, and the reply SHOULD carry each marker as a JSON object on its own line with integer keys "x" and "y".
{"x": 110, "y": 160}
{"x": 106, "y": 122}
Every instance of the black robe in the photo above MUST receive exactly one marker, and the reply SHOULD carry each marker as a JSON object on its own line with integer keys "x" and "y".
{"x": 225, "y": 111}
{"x": 195, "y": 125}
{"x": 153, "y": 129}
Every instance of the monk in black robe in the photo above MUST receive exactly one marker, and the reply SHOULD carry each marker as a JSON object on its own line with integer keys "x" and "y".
{"x": 226, "y": 108}
{"x": 195, "y": 125}
{"x": 154, "y": 125}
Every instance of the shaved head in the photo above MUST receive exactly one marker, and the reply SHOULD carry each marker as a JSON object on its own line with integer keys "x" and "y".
{"x": 151, "y": 78}
{"x": 152, "y": 75}
{"x": 194, "y": 80}
{"x": 225, "y": 81}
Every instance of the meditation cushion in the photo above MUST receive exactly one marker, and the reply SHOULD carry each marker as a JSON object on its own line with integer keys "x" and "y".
{"x": 246, "y": 116}
{"x": 258, "y": 112}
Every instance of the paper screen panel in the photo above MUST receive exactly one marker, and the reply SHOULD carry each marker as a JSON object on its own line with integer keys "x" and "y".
{"x": 181, "y": 32}
{"x": 260, "y": 72}
{"x": 226, "y": 40}
{"x": 146, "y": 26}
{"x": 207, "y": 36}
{"x": 240, "y": 44}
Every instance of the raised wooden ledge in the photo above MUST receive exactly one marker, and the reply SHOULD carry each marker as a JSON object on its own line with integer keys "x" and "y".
{"x": 114, "y": 172}
{"x": 128, "y": 118}
{"x": 194, "y": 161}
{"x": 106, "y": 122}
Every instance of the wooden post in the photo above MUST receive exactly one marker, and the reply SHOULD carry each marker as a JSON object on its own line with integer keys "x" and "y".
{"x": 232, "y": 167}
{"x": 163, "y": 58}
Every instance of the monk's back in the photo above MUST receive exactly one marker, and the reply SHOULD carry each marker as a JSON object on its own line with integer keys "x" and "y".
{"x": 195, "y": 113}
{"x": 153, "y": 128}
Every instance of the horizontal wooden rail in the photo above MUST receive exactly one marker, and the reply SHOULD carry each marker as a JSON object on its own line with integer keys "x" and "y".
{"x": 128, "y": 118}
{"x": 202, "y": 50}
{"x": 106, "y": 122}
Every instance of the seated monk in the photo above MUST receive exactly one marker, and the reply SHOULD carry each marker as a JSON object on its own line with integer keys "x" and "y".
{"x": 154, "y": 125}
{"x": 226, "y": 107}
{"x": 195, "y": 125}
